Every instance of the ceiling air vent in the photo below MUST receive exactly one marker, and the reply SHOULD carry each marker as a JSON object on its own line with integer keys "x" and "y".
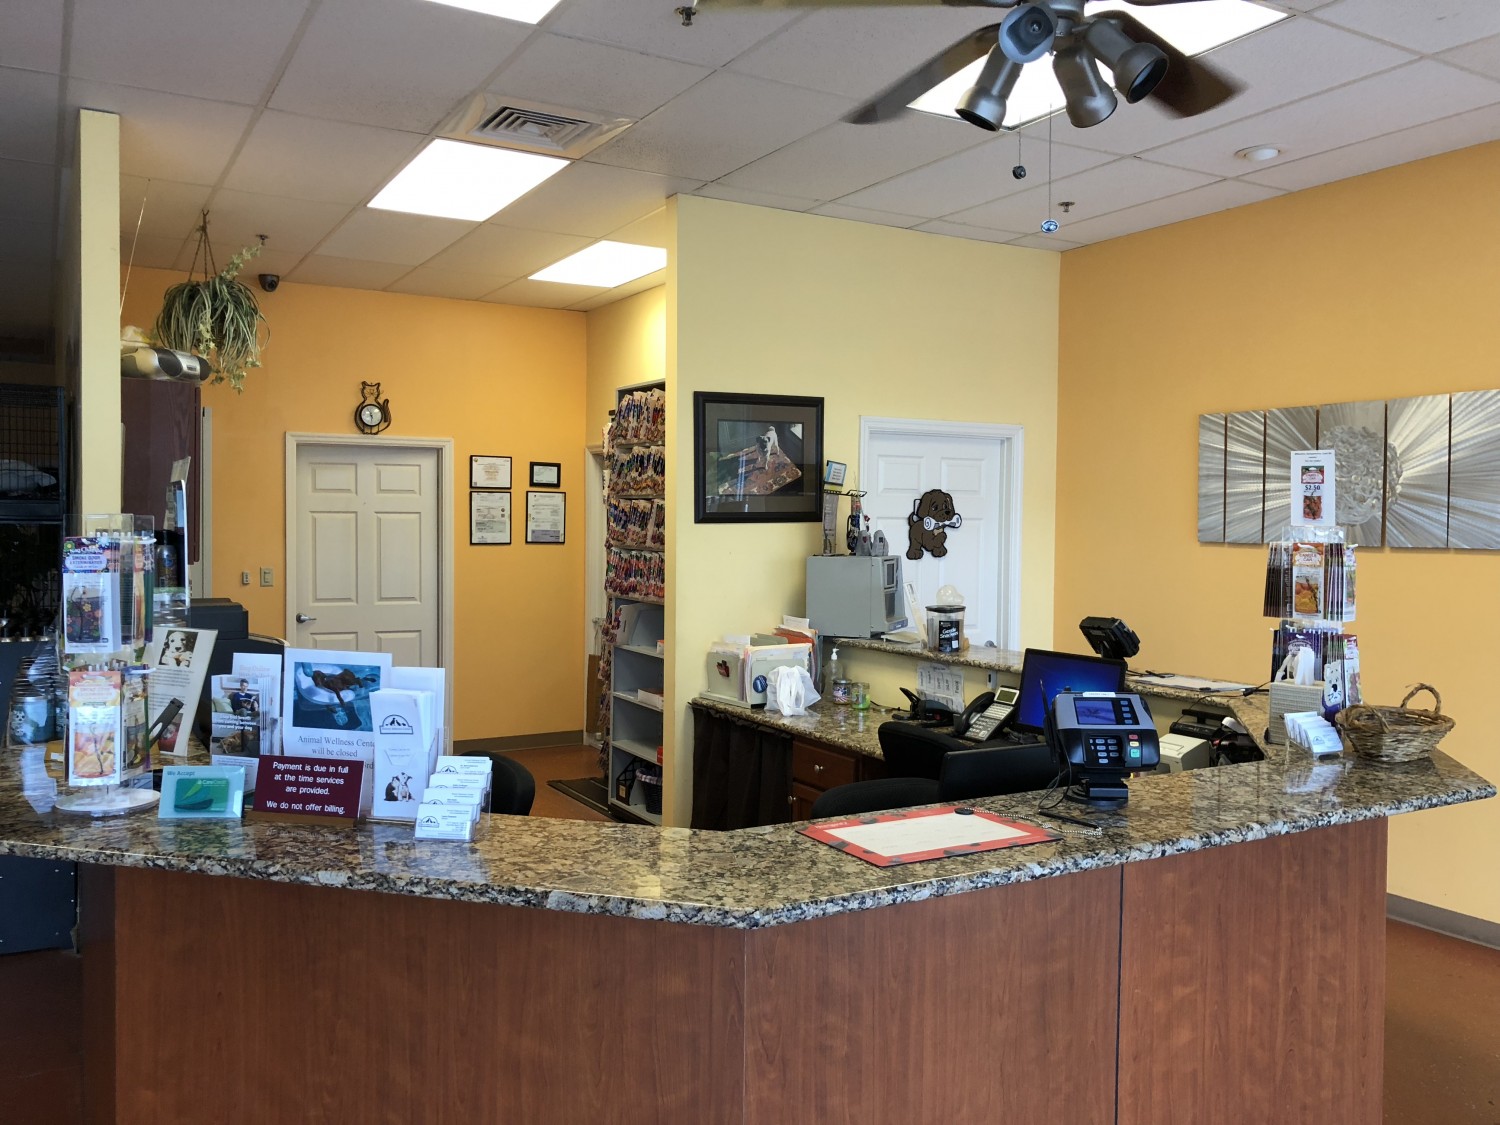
{"x": 532, "y": 127}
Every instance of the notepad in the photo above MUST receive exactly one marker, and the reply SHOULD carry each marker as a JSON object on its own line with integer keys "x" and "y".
{"x": 892, "y": 838}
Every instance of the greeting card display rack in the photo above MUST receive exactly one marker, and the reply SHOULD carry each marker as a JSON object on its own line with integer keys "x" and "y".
{"x": 632, "y": 663}
{"x": 106, "y": 620}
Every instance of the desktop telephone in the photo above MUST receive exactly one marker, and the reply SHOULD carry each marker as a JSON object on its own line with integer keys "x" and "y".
{"x": 983, "y": 718}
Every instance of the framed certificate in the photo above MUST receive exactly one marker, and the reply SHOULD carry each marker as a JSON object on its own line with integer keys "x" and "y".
{"x": 489, "y": 472}
{"x": 489, "y": 519}
{"x": 546, "y": 474}
{"x": 546, "y": 517}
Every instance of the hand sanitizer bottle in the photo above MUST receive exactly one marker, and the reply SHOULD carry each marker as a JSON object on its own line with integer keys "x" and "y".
{"x": 835, "y": 686}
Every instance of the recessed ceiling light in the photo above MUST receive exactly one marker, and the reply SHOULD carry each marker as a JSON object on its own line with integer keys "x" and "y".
{"x": 453, "y": 180}
{"x": 1259, "y": 153}
{"x": 1191, "y": 28}
{"x": 523, "y": 11}
{"x": 605, "y": 265}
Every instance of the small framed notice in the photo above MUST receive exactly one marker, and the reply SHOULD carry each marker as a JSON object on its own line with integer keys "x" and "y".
{"x": 489, "y": 472}
{"x": 309, "y": 790}
{"x": 546, "y": 517}
{"x": 546, "y": 474}
{"x": 489, "y": 519}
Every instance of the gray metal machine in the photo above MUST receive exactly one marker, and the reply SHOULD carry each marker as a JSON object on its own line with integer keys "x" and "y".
{"x": 855, "y": 595}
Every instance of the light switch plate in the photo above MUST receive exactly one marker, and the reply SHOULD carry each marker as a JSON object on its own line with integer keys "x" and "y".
{"x": 244, "y": 578}
{"x": 267, "y": 576}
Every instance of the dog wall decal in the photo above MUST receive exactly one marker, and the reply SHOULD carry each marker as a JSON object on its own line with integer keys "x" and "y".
{"x": 926, "y": 531}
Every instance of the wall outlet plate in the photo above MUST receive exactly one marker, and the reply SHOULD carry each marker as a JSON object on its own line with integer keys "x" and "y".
{"x": 244, "y": 578}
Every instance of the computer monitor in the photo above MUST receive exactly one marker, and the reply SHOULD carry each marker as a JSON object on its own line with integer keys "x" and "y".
{"x": 1044, "y": 674}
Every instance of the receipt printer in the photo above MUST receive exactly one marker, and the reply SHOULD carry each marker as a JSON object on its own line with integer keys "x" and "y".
{"x": 1183, "y": 752}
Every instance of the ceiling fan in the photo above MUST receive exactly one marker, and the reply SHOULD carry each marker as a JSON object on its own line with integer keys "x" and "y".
{"x": 1140, "y": 62}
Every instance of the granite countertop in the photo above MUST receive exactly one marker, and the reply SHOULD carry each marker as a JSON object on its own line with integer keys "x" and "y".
{"x": 746, "y": 879}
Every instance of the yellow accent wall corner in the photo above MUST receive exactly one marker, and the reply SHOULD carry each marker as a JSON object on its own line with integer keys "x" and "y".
{"x": 1346, "y": 292}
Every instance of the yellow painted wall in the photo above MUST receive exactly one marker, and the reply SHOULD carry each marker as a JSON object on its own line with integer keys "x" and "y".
{"x": 497, "y": 380}
{"x": 1351, "y": 291}
{"x": 877, "y": 321}
{"x": 626, "y": 344}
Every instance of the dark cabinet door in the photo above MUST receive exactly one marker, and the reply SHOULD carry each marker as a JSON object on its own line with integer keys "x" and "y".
{"x": 163, "y": 422}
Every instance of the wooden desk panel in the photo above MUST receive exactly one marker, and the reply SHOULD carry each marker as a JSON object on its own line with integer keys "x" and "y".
{"x": 1254, "y": 983}
{"x": 985, "y": 1007}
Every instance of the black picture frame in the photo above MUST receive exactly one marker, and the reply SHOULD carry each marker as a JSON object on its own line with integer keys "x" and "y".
{"x": 743, "y": 444}
{"x": 487, "y": 471}
{"x": 546, "y": 474}
{"x": 479, "y": 499}
{"x": 551, "y": 536}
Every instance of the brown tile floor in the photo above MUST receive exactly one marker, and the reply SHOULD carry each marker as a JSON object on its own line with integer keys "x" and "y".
{"x": 1442, "y": 1028}
{"x": 560, "y": 763}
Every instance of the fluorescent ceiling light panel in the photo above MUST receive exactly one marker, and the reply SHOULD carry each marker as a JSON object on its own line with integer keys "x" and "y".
{"x": 1191, "y": 28}
{"x": 453, "y": 180}
{"x": 605, "y": 265}
{"x": 522, "y": 11}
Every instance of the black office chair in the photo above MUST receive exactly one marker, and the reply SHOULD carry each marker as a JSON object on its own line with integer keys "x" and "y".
{"x": 915, "y": 751}
{"x": 512, "y": 788}
{"x": 875, "y": 796}
{"x": 995, "y": 771}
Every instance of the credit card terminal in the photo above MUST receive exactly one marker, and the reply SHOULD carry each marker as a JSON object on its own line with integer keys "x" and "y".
{"x": 989, "y": 722}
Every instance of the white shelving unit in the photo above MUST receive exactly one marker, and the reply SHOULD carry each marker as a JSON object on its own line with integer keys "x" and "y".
{"x": 635, "y": 678}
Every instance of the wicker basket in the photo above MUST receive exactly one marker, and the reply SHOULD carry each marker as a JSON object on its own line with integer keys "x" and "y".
{"x": 1395, "y": 734}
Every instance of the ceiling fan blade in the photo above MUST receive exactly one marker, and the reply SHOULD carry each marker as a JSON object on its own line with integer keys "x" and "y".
{"x": 1191, "y": 86}
{"x": 894, "y": 99}
{"x": 710, "y": 5}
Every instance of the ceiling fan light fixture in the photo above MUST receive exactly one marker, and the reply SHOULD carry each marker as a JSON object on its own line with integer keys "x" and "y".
{"x": 1088, "y": 100}
{"x": 1136, "y": 67}
{"x": 983, "y": 103}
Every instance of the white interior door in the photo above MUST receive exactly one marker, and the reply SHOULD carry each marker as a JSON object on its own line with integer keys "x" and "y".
{"x": 977, "y": 465}
{"x": 365, "y": 570}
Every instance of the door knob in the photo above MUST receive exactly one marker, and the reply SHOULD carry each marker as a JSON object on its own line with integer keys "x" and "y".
{"x": 303, "y": 619}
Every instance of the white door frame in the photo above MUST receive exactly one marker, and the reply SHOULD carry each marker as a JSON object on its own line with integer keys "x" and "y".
{"x": 444, "y": 449}
{"x": 1010, "y": 438}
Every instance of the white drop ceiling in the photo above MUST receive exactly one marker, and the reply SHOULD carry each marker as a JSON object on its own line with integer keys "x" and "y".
{"x": 284, "y": 117}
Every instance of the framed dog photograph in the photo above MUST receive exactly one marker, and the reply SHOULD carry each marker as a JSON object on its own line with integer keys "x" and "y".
{"x": 757, "y": 458}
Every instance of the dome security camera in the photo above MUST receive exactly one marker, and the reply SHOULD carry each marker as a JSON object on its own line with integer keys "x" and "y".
{"x": 270, "y": 281}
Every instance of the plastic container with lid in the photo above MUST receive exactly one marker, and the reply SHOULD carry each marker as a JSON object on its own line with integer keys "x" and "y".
{"x": 945, "y": 628}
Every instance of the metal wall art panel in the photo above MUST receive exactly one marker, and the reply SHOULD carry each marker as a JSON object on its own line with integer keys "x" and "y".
{"x": 1244, "y": 476}
{"x": 1210, "y": 478}
{"x": 1355, "y": 431}
{"x": 1474, "y": 472}
{"x": 1416, "y": 472}
{"x": 1287, "y": 430}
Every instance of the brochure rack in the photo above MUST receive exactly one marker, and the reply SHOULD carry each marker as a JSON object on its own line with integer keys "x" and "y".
{"x": 632, "y": 665}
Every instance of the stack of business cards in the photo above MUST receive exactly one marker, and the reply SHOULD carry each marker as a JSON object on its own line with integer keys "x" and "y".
{"x": 453, "y": 798}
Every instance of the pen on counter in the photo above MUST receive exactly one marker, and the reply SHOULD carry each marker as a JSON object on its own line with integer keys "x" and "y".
{"x": 1068, "y": 819}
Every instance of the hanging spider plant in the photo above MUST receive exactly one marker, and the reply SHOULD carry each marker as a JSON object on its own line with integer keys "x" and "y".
{"x": 217, "y": 317}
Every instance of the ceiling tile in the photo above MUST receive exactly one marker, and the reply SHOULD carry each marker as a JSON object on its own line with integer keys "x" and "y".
{"x": 505, "y": 252}
{"x": 1219, "y": 196}
{"x": 390, "y": 236}
{"x": 1431, "y": 26}
{"x": 393, "y": 63}
{"x": 620, "y": 292}
{"x": 1097, "y": 191}
{"x": 1044, "y": 242}
{"x": 1279, "y": 64}
{"x": 222, "y": 49}
{"x": 29, "y": 190}
{"x": 167, "y": 136}
{"x": 278, "y": 262}
{"x": 865, "y": 215}
{"x": 648, "y": 230}
{"x": 854, "y": 51}
{"x": 161, "y": 208}
{"x": 1458, "y": 131}
{"x": 755, "y": 198}
{"x": 1483, "y": 56}
{"x": 651, "y": 26}
{"x": 293, "y": 226}
{"x": 593, "y": 76}
{"x": 317, "y": 269}
{"x": 151, "y": 251}
{"x": 540, "y": 294}
{"x": 28, "y": 127}
{"x": 844, "y": 158}
{"x": 978, "y": 234}
{"x": 328, "y": 161}
{"x": 1397, "y": 99}
{"x": 592, "y": 200}
{"x": 33, "y": 35}
{"x": 970, "y": 178}
{"x": 443, "y": 283}
{"x": 725, "y": 121}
